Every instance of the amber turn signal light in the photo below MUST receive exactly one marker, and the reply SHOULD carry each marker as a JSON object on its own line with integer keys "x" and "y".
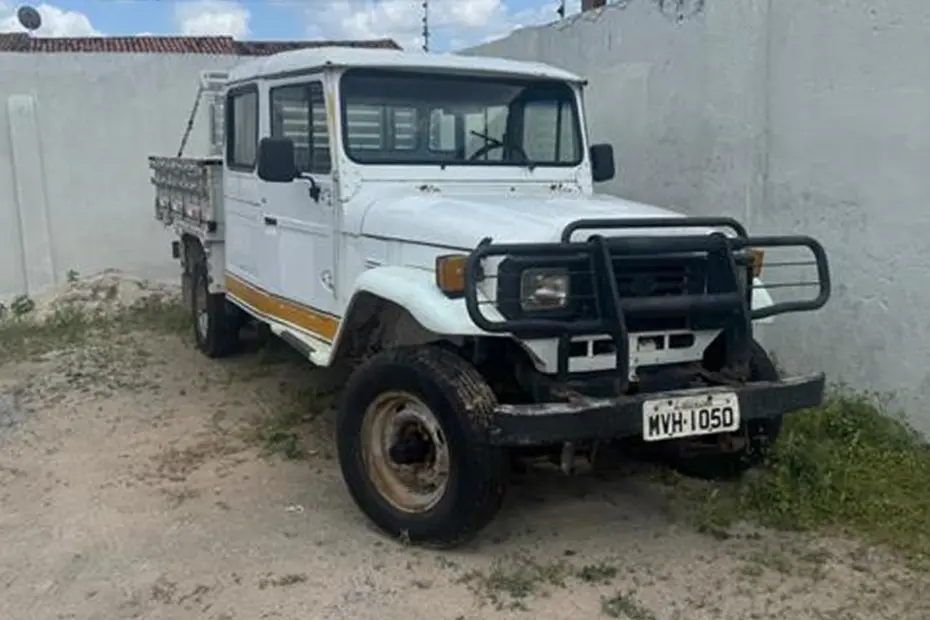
{"x": 450, "y": 273}
{"x": 756, "y": 259}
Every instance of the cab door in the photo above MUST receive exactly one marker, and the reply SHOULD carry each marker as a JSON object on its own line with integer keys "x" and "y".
{"x": 304, "y": 210}
{"x": 250, "y": 252}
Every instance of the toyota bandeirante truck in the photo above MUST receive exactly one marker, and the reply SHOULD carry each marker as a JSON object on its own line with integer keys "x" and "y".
{"x": 430, "y": 221}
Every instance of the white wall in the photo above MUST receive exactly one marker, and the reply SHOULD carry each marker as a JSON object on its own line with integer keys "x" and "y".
{"x": 75, "y": 132}
{"x": 794, "y": 116}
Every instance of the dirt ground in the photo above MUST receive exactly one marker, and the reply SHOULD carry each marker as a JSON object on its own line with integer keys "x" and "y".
{"x": 135, "y": 482}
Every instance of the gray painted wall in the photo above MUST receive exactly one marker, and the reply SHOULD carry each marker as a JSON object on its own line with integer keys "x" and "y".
{"x": 75, "y": 132}
{"x": 794, "y": 116}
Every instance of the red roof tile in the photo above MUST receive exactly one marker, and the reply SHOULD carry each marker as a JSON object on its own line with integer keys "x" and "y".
{"x": 21, "y": 42}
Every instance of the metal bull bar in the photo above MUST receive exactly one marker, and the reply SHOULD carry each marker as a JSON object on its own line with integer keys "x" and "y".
{"x": 725, "y": 296}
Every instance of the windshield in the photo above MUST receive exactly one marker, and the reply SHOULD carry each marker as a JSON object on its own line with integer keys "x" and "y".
{"x": 418, "y": 118}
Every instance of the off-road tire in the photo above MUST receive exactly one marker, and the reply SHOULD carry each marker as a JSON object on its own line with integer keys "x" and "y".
{"x": 462, "y": 403}
{"x": 223, "y": 321}
{"x": 762, "y": 435}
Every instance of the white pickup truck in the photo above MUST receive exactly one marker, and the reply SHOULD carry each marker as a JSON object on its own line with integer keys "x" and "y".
{"x": 430, "y": 220}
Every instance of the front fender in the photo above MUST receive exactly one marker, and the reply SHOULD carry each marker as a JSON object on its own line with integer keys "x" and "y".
{"x": 415, "y": 291}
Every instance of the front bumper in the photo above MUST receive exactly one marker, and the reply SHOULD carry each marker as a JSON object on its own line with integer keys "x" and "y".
{"x": 615, "y": 418}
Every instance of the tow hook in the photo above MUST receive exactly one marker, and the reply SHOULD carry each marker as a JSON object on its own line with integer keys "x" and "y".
{"x": 569, "y": 458}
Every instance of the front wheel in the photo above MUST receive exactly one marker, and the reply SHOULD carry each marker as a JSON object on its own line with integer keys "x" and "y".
{"x": 413, "y": 449}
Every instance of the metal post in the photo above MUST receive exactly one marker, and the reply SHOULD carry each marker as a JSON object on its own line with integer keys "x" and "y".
{"x": 425, "y": 25}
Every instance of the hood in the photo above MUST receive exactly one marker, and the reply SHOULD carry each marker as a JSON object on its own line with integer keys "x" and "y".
{"x": 463, "y": 220}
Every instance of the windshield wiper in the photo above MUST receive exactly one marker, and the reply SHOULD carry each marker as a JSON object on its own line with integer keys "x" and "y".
{"x": 490, "y": 143}
{"x": 488, "y": 140}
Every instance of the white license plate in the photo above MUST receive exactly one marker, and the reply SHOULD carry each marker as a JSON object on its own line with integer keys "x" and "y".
{"x": 672, "y": 418}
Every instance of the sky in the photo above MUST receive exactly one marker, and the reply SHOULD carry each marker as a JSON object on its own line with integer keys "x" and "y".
{"x": 454, "y": 24}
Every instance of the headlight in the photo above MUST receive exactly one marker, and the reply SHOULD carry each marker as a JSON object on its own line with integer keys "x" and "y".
{"x": 544, "y": 289}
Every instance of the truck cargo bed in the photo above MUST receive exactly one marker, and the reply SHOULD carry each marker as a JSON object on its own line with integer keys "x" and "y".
{"x": 189, "y": 195}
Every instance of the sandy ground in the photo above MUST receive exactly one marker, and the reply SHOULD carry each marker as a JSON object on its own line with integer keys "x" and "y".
{"x": 132, "y": 486}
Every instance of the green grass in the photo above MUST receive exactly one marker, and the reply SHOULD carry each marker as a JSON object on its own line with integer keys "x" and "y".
{"x": 21, "y": 337}
{"x": 512, "y": 581}
{"x": 598, "y": 573}
{"x": 625, "y": 605}
{"x": 281, "y": 433}
{"x": 848, "y": 466}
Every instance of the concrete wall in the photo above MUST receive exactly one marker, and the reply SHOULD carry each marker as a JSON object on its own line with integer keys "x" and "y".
{"x": 794, "y": 116}
{"x": 75, "y": 132}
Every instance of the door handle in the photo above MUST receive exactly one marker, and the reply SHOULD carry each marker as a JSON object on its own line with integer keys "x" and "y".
{"x": 271, "y": 221}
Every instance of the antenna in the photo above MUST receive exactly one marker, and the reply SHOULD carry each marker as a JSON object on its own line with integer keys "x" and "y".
{"x": 29, "y": 18}
{"x": 425, "y": 25}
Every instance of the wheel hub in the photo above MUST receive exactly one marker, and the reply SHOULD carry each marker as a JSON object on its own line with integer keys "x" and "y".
{"x": 411, "y": 448}
{"x": 200, "y": 309}
{"x": 405, "y": 452}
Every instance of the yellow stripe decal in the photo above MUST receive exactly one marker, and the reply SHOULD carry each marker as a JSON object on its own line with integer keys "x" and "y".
{"x": 317, "y": 323}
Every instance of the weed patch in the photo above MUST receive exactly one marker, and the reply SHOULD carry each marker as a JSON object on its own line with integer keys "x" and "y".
{"x": 280, "y": 434}
{"x": 509, "y": 584}
{"x": 22, "y": 337}
{"x": 598, "y": 573}
{"x": 850, "y": 466}
{"x": 625, "y": 606}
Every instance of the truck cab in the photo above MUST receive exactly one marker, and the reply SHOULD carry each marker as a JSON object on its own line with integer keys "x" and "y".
{"x": 395, "y": 160}
{"x": 430, "y": 221}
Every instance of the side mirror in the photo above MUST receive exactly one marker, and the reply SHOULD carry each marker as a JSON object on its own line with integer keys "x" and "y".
{"x": 602, "y": 162}
{"x": 276, "y": 162}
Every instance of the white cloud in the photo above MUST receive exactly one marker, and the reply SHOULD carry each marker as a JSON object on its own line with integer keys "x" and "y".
{"x": 213, "y": 17}
{"x": 56, "y": 22}
{"x": 453, "y": 23}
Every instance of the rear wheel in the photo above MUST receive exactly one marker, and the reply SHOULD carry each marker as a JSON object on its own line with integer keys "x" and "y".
{"x": 413, "y": 448}
{"x": 216, "y": 321}
{"x": 757, "y": 436}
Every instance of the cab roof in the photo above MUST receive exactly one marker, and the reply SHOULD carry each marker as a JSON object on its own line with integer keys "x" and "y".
{"x": 306, "y": 60}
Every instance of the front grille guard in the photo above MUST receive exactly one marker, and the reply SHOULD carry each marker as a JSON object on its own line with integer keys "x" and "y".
{"x": 727, "y": 294}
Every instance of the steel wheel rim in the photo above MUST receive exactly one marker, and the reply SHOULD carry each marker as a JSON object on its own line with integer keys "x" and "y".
{"x": 411, "y": 488}
{"x": 202, "y": 317}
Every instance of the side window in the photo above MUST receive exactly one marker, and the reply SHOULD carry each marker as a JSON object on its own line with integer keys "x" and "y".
{"x": 298, "y": 112}
{"x": 242, "y": 128}
{"x": 322, "y": 163}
